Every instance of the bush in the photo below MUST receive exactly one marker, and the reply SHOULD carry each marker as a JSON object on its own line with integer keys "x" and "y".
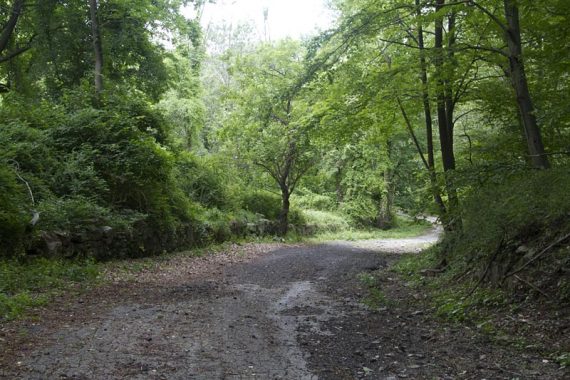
{"x": 361, "y": 211}
{"x": 514, "y": 207}
{"x": 90, "y": 168}
{"x": 308, "y": 200}
{"x": 297, "y": 217}
{"x": 323, "y": 221}
{"x": 217, "y": 226}
{"x": 262, "y": 202}
{"x": 75, "y": 214}
{"x": 505, "y": 218}
{"x": 13, "y": 215}
{"x": 199, "y": 179}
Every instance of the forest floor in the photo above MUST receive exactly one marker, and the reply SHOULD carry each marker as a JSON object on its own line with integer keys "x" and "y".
{"x": 258, "y": 311}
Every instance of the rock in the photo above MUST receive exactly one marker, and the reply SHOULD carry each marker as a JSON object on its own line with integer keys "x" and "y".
{"x": 53, "y": 242}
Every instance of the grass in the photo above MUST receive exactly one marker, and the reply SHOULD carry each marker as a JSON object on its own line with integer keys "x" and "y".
{"x": 325, "y": 221}
{"x": 404, "y": 229}
{"x": 563, "y": 359}
{"x": 448, "y": 297}
{"x": 376, "y": 298}
{"x": 33, "y": 282}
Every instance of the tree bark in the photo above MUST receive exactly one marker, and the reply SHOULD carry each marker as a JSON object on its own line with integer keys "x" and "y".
{"x": 6, "y": 53}
{"x": 385, "y": 217}
{"x": 283, "y": 219}
{"x": 8, "y": 29}
{"x": 517, "y": 73}
{"x": 97, "y": 47}
{"x": 445, "y": 108}
{"x": 428, "y": 119}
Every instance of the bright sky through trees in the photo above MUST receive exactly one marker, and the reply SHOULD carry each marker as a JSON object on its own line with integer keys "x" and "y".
{"x": 286, "y": 18}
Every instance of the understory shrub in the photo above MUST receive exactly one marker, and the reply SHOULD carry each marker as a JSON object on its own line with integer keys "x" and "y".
{"x": 13, "y": 215}
{"x": 90, "y": 169}
{"x": 519, "y": 205}
{"x": 200, "y": 180}
{"x": 361, "y": 211}
{"x": 506, "y": 221}
{"x": 324, "y": 221}
{"x": 307, "y": 200}
{"x": 262, "y": 202}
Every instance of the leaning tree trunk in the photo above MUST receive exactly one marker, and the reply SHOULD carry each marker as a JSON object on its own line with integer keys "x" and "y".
{"x": 520, "y": 85}
{"x": 97, "y": 47}
{"x": 10, "y": 25}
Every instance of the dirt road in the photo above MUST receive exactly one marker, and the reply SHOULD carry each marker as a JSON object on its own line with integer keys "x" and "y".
{"x": 262, "y": 312}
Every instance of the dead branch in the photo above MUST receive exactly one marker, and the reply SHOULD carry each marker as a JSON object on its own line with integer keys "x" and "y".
{"x": 493, "y": 258}
{"x": 531, "y": 286}
{"x": 538, "y": 256}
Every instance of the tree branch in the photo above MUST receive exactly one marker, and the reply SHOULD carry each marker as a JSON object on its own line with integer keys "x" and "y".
{"x": 14, "y": 54}
{"x": 490, "y": 15}
{"x": 268, "y": 170}
{"x": 538, "y": 256}
{"x": 411, "y": 130}
{"x": 8, "y": 29}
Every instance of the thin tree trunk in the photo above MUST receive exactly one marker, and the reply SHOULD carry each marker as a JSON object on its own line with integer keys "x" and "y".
{"x": 447, "y": 159}
{"x": 283, "y": 219}
{"x": 385, "y": 217}
{"x": 455, "y": 223}
{"x": 338, "y": 184}
{"x": 520, "y": 85}
{"x": 445, "y": 123}
{"x": 97, "y": 47}
{"x": 428, "y": 119}
{"x": 449, "y": 102}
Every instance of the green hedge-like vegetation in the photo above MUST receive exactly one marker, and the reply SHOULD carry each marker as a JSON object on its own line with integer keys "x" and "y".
{"x": 516, "y": 210}
{"x": 108, "y": 183}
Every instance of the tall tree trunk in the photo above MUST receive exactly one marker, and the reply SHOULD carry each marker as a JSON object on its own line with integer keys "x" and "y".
{"x": 445, "y": 121}
{"x": 520, "y": 85}
{"x": 97, "y": 47}
{"x": 449, "y": 101}
{"x": 428, "y": 119}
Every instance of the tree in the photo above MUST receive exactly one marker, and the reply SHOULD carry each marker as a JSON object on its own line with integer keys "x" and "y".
{"x": 267, "y": 121}
{"x": 74, "y": 36}
{"x": 520, "y": 85}
{"x": 7, "y": 32}
{"x": 510, "y": 28}
{"x": 97, "y": 46}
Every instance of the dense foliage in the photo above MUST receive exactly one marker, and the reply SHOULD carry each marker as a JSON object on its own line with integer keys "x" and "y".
{"x": 127, "y": 130}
